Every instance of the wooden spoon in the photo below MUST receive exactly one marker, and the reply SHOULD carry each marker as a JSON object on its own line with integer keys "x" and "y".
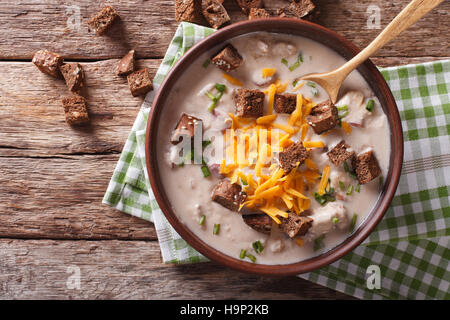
{"x": 332, "y": 81}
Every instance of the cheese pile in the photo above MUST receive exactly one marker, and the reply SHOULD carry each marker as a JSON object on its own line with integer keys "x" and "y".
{"x": 250, "y": 147}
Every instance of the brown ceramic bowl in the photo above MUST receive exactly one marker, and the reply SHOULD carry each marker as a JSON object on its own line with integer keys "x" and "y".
{"x": 370, "y": 74}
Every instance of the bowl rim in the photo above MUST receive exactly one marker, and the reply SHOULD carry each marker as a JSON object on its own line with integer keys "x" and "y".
{"x": 378, "y": 85}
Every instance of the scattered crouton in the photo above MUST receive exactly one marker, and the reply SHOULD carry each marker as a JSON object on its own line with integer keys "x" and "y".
{"x": 48, "y": 62}
{"x": 126, "y": 64}
{"x": 103, "y": 20}
{"x": 75, "y": 110}
{"x": 140, "y": 82}
{"x": 73, "y": 75}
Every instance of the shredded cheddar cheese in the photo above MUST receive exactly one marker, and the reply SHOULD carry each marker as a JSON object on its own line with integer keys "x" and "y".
{"x": 266, "y": 119}
{"x": 324, "y": 180}
{"x": 347, "y": 128}
{"x": 268, "y": 72}
{"x": 313, "y": 144}
{"x": 232, "y": 80}
{"x": 272, "y": 91}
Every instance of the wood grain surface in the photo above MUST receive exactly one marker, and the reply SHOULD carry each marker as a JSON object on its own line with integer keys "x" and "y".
{"x": 53, "y": 177}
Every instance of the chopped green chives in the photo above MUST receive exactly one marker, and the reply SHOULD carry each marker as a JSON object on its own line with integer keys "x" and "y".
{"x": 353, "y": 223}
{"x": 294, "y": 83}
{"x": 341, "y": 185}
{"x": 349, "y": 190}
{"x": 244, "y": 182}
{"x": 358, "y": 187}
{"x": 216, "y": 228}
{"x": 257, "y": 245}
{"x": 335, "y": 220}
{"x": 202, "y": 220}
{"x": 370, "y": 105}
{"x": 221, "y": 87}
{"x": 294, "y": 66}
{"x": 243, "y": 253}
{"x": 284, "y": 61}
{"x": 341, "y": 108}
{"x": 210, "y": 95}
{"x": 350, "y": 172}
{"x": 251, "y": 257}
{"x": 311, "y": 84}
{"x": 206, "y": 143}
{"x": 205, "y": 170}
{"x": 318, "y": 243}
{"x": 206, "y": 63}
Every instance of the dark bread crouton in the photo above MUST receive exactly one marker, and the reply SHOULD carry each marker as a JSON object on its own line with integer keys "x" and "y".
{"x": 48, "y": 62}
{"x": 75, "y": 110}
{"x": 285, "y": 103}
{"x": 229, "y": 195}
{"x": 289, "y": 157}
{"x": 186, "y": 126}
{"x": 259, "y": 222}
{"x": 297, "y": 9}
{"x": 227, "y": 59}
{"x": 249, "y": 103}
{"x": 140, "y": 82}
{"x": 340, "y": 153}
{"x": 246, "y": 5}
{"x": 188, "y": 10}
{"x": 295, "y": 225}
{"x": 323, "y": 117}
{"x": 103, "y": 20}
{"x": 215, "y": 13}
{"x": 366, "y": 167}
{"x": 258, "y": 13}
{"x": 126, "y": 64}
{"x": 73, "y": 75}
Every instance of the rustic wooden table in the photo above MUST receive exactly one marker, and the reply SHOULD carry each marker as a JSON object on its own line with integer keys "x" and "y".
{"x": 53, "y": 177}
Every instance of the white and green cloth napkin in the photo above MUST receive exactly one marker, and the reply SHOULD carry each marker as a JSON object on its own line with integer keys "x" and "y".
{"x": 410, "y": 245}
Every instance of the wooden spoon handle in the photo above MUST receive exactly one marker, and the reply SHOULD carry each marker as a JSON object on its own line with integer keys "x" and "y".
{"x": 415, "y": 10}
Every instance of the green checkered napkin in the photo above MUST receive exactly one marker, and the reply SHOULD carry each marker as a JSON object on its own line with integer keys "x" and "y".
{"x": 410, "y": 245}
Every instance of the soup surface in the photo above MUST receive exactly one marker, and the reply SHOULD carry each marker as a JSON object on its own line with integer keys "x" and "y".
{"x": 330, "y": 199}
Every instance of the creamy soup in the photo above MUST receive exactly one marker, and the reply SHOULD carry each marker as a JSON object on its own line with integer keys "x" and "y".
{"x": 331, "y": 199}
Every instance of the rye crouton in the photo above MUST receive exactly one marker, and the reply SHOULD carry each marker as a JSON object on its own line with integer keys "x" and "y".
{"x": 103, "y": 20}
{"x": 228, "y": 195}
{"x": 75, "y": 110}
{"x": 215, "y": 13}
{"x": 366, "y": 167}
{"x": 285, "y": 103}
{"x": 246, "y": 5}
{"x": 289, "y": 157}
{"x": 227, "y": 59}
{"x": 323, "y": 117}
{"x": 73, "y": 75}
{"x": 186, "y": 126}
{"x": 140, "y": 82}
{"x": 297, "y": 9}
{"x": 126, "y": 65}
{"x": 295, "y": 225}
{"x": 259, "y": 222}
{"x": 48, "y": 62}
{"x": 340, "y": 153}
{"x": 188, "y": 10}
{"x": 258, "y": 13}
{"x": 249, "y": 103}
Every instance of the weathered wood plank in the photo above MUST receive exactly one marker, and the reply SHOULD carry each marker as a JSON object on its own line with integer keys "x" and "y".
{"x": 31, "y": 115}
{"x": 60, "y": 198}
{"x": 131, "y": 270}
{"x": 148, "y": 27}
